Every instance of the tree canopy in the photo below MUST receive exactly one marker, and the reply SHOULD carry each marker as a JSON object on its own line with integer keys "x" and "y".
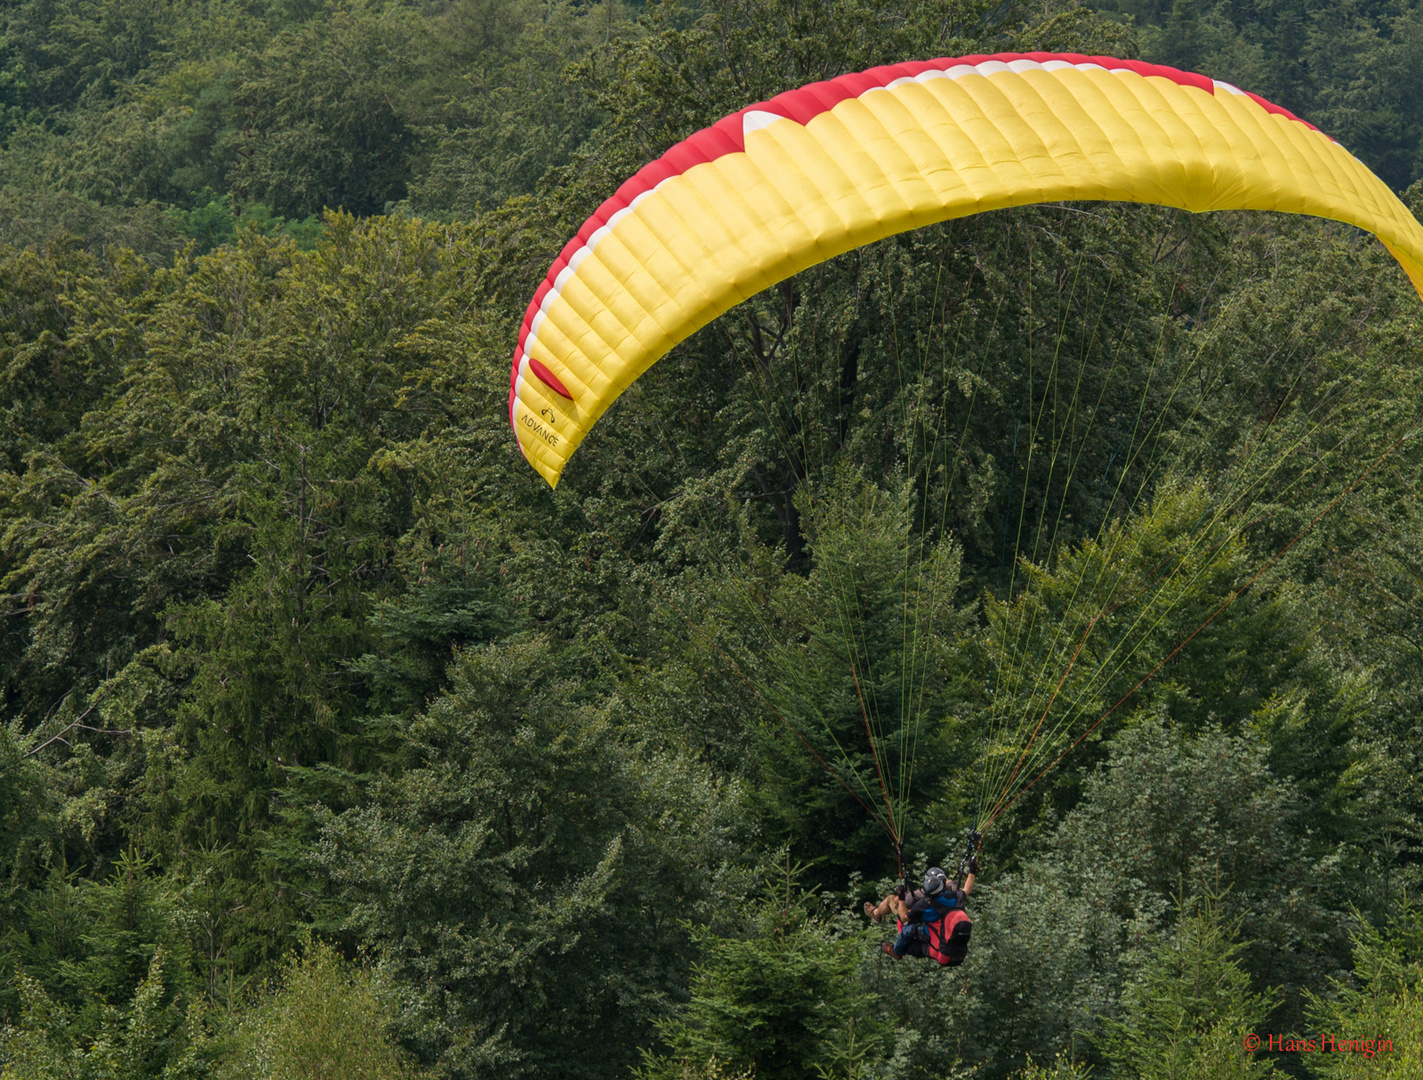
{"x": 331, "y": 738}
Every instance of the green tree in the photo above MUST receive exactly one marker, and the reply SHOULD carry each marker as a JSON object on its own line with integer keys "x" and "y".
{"x": 1381, "y": 999}
{"x": 1176, "y": 815}
{"x": 848, "y": 671}
{"x": 1062, "y": 1068}
{"x": 1061, "y": 930}
{"x": 68, "y": 48}
{"x": 781, "y": 1001}
{"x": 528, "y": 876}
{"x": 244, "y": 475}
{"x": 30, "y": 840}
{"x": 502, "y": 111}
{"x": 1188, "y": 1014}
{"x": 150, "y": 1036}
{"x": 321, "y": 124}
{"x": 327, "y": 1019}
{"x": 55, "y": 360}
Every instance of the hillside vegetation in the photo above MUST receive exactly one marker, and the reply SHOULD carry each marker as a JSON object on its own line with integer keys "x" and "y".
{"x": 334, "y": 743}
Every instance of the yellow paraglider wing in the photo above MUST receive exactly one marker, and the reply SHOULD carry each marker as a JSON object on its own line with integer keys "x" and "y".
{"x": 781, "y": 186}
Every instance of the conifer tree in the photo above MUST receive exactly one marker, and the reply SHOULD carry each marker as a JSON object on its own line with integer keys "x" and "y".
{"x": 1188, "y": 1015}
{"x": 781, "y": 1001}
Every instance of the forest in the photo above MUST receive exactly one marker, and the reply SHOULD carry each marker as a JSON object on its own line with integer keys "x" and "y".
{"x": 335, "y": 742}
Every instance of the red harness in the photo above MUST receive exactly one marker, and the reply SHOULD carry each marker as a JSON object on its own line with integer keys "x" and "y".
{"x": 948, "y": 937}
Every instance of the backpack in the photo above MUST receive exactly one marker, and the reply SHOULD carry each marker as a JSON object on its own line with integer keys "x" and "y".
{"x": 949, "y": 928}
{"x": 948, "y": 938}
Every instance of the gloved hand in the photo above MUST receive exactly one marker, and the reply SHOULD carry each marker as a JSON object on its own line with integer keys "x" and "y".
{"x": 973, "y": 864}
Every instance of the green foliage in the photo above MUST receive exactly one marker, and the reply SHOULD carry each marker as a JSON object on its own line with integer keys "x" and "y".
{"x": 291, "y": 641}
{"x": 1381, "y": 999}
{"x": 505, "y": 114}
{"x": 319, "y": 104}
{"x": 119, "y": 926}
{"x": 327, "y": 1020}
{"x": 1062, "y": 1068}
{"x": 1172, "y": 811}
{"x": 1066, "y": 650}
{"x": 148, "y": 1037}
{"x": 112, "y": 115}
{"x": 711, "y": 1070}
{"x": 65, "y": 49}
{"x": 216, "y": 222}
{"x": 30, "y": 835}
{"x": 780, "y": 1001}
{"x": 529, "y": 875}
{"x": 207, "y": 462}
{"x": 60, "y": 348}
{"x": 1191, "y": 1010}
{"x": 1169, "y": 820}
{"x": 88, "y": 945}
{"x": 855, "y": 661}
{"x": 209, "y": 224}
{"x": 1173, "y": 815}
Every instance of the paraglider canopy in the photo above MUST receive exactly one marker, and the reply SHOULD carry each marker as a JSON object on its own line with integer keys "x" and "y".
{"x": 788, "y": 183}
